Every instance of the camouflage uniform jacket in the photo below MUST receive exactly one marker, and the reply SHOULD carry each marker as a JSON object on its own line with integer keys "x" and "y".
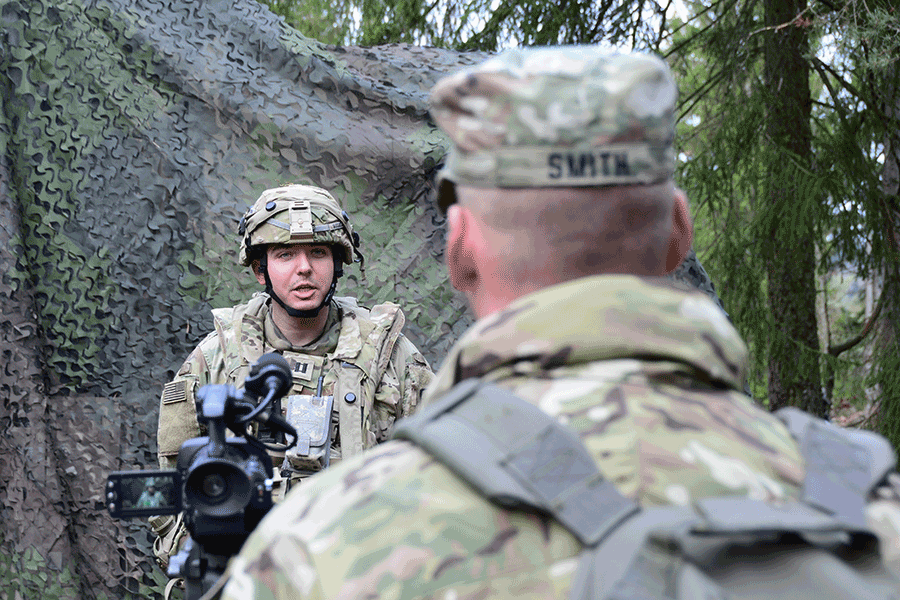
{"x": 361, "y": 352}
{"x": 646, "y": 373}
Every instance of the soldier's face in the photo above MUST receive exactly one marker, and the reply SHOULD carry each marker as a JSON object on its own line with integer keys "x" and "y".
{"x": 301, "y": 274}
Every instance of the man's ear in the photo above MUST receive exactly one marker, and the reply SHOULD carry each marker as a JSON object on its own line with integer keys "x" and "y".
{"x": 257, "y": 271}
{"x": 682, "y": 233}
{"x": 461, "y": 256}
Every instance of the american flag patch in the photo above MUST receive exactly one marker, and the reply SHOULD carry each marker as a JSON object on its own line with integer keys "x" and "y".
{"x": 174, "y": 391}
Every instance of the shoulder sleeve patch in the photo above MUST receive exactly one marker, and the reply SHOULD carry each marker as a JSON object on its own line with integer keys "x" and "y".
{"x": 174, "y": 391}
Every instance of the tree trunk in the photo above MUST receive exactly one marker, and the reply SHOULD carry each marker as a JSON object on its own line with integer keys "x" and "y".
{"x": 794, "y": 375}
{"x": 887, "y": 343}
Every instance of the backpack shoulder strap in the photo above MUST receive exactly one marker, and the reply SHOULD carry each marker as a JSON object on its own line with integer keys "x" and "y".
{"x": 843, "y": 466}
{"x": 522, "y": 459}
{"x": 519, "y": 457}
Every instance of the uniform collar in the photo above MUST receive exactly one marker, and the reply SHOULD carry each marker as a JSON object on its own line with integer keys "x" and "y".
{"x": 601, "y": 318}
{"x": 322, "y": 345}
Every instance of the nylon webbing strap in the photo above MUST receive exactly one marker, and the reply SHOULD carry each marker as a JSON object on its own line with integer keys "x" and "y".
{"x": 739, "y": 515}
{"x": 613, "y": 570}
{"x": 350, "y": 409}
{"x": 643, "y": 558}
{"x": 519, "y": 457}
{"x": 842, "y": 465}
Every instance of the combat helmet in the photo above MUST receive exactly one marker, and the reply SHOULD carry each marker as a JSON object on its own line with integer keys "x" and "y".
{"x": 298, "y": 214}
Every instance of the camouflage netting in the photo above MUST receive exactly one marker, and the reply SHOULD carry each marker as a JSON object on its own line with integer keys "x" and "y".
{"x": 133, "y": 136}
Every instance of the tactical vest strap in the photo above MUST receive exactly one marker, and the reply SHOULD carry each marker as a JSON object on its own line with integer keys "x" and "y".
{"x": 230, "y": 324}
{"x": 519, "y": 457}
{"x": 361, "y": 371}
{"x": 362, "y": 356}
{"x": 348, "y": 389}
{"x": 843, "y": 466}
{"x": 522, "y": 459}
{"x": 390, "y": 320}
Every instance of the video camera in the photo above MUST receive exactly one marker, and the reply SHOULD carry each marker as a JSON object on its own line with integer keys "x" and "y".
{"x": 222, "y": 485}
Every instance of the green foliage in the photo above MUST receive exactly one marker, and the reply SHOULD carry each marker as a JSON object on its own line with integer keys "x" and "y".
{"x": 730, "y": 162}
{"x": 846, "y": 374}
{"x": 867, "y": 31}
{"x": 396, "y": 21}
{"x": 28, "y": 576}
{"x": 490, "y": 25}
{"x": 328, "y": 21}
{"x": 486, "y": 25}
{"x": 721, "y": 172}
{"x": 885, "y": 377}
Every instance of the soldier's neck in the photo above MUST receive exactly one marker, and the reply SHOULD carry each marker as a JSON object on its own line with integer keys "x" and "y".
{"x": 297, "y": 330}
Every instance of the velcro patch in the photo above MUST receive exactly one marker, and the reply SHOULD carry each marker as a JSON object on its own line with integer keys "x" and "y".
{"x": 304, "y": 367}
{"x": 174, "y": 391}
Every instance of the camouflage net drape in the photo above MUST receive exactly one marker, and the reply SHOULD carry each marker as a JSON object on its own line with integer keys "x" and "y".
{"x": 133, "y": 136}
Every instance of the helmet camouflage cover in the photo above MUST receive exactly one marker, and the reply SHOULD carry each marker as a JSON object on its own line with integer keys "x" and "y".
{"x": 296, "y": 214}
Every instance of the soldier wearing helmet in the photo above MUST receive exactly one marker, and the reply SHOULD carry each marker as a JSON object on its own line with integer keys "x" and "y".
{"x": 297, "y": 240}
{"x": 298, "y": 216}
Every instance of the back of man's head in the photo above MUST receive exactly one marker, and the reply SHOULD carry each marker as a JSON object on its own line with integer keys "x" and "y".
{"x": 565, "y": 157}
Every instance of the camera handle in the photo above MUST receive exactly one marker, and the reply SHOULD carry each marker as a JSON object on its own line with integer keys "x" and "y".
{"x": 200, "y": 569}
{"x": 214, "y": 402}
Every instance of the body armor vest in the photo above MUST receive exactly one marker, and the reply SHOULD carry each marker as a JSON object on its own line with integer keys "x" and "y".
{"x": 348, "y": 376}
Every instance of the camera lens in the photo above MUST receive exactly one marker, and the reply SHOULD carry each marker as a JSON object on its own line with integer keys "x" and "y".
{"x": 218, "y": 488}
{"x": 214, "y": 485}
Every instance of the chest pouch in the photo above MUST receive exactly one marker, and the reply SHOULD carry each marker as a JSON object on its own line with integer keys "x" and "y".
{"x": 311, "y": 417}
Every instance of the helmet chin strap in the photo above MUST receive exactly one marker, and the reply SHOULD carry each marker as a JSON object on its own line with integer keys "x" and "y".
{"x": 312, "y": 312}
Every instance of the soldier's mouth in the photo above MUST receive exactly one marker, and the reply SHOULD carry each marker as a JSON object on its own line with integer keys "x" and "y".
{"x": 305, "y": 290}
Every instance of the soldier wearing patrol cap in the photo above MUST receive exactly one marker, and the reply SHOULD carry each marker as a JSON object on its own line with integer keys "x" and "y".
{"x": 562, "y": 222}
{"x": 298, "y": 240}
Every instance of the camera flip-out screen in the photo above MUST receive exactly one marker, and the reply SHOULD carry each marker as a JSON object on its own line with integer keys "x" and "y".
{"x": 143, "y": 493}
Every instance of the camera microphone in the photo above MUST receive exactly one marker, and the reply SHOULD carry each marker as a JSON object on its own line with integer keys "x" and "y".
{"x": 270, "y": 375}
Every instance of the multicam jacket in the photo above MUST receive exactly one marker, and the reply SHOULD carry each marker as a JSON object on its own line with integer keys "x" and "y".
{"x": 647, "y": 374}
{"x": 361, "y": 352}
{"x": 374, "y": 372}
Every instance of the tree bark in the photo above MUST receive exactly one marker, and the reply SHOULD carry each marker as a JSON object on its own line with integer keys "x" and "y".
{"x": 794, "y": 374}
{"x": 887, "y": 344}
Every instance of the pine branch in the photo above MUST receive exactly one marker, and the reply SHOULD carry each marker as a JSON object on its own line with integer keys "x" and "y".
{"x": 820, "y": 66}
{"x": 798, "y": 21}
{"x": 837, "y": 349}
{"x": 864, "y": 420}
{"x": 677, "y": 49}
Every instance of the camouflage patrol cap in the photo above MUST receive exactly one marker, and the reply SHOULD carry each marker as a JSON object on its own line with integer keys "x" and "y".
{"x": 566, "y": 116}
{"x": 296, "y": 214}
